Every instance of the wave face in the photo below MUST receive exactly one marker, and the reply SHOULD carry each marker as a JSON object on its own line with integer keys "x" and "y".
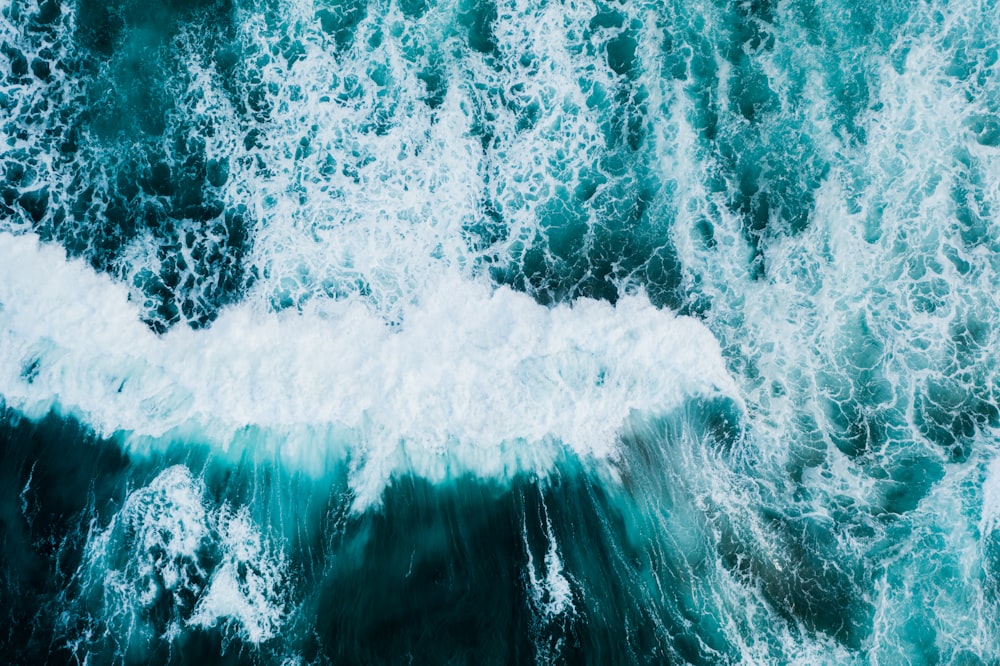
{"x": 457, "y": 331}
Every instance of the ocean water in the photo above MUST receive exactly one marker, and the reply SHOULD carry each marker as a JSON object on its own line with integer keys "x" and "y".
{"x": 499, "y": 332}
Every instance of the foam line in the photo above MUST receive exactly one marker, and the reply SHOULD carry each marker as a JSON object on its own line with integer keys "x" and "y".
{"x": 475, "y": 379}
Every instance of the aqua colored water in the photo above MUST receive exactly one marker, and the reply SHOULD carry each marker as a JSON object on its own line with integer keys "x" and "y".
{"x": 475, "y": 332}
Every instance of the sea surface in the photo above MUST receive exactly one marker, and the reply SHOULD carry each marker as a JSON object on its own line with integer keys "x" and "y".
{"x": 499, "y": 332}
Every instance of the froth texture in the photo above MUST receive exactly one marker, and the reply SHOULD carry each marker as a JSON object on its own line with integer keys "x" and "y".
{"x": 498, "y": 331}
{"x": 473, "y": 379}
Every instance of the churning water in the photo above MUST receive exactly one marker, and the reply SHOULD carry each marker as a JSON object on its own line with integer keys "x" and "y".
{"x": 498, "y": 331}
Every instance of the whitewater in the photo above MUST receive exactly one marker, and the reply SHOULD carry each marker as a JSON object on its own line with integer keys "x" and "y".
{"x": 478, "y": 382}
{"x": 474, "y": 331}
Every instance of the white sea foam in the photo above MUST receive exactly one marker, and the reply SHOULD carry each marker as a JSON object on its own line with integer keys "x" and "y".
{"x": 153, "y": 553}
{"x": 246, "y": 588}
{"x": 551, "y": 592}
{"x": 889, "y": 258}
{"x": 478, "y": 379}
{"x": 990, "y": 517}
{"x": 475, "y": 379}
{"x": 341, "y": 208}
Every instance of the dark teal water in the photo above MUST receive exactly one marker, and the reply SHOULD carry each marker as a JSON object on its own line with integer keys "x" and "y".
{"x": 499, "y": 332}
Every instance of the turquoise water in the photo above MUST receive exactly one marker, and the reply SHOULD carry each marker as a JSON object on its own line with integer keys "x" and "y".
{"x": 499, "y": 332}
